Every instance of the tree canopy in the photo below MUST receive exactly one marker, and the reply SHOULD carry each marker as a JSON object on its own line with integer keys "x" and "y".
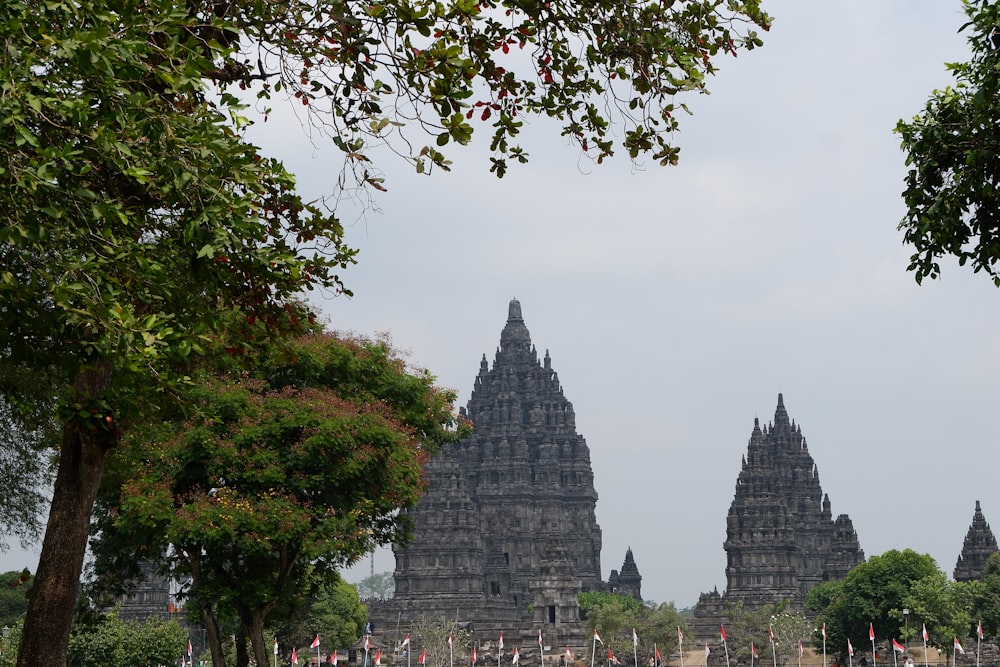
{"x": 289, "y": 470}
{"x": 138, "y": 216}
{"x": 874, "y": 595}
{"x": 952, "y": 192}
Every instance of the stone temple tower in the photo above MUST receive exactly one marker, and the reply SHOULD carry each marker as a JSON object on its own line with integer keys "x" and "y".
{"x": 980, "y": 544}
{"x": 781, "y": 537}
{"x": 507, "y": 528}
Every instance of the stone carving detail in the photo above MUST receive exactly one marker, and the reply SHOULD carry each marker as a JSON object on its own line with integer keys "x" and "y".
{"x": 980, "y": 544}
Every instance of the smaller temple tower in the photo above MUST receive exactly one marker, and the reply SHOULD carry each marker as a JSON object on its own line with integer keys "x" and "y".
{"x": 628, "y": 581}
{"x": 979, "y": 545}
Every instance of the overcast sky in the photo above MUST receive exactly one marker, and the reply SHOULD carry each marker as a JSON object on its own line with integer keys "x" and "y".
{"x": 678, "y": 302}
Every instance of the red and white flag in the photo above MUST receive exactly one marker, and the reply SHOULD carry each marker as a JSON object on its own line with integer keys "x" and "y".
{"x": 539, "y": 639}
{"x": 824, "y": 632}
{"x": 871, "y": 632}
{"x": 378, "y": 657}
{"x": 979, "y": 633}
{"x": 680, "y": 635}
{"x": 597, "y": 637}
{"x": 189, "y": 644}
{"x": 500, "y": 643}
{"x": 708, "y": 651}
{"x": 451, "y": 641}
{"x": 610, "y": 657}
{"x": 295, "y": 656}
{"x": 473, "y": 655}
{"x": 753, "y": 650}
{"x": 517, "y": 656}
{"x": 850, "y": 649}
{"x": 770, "y": 633}
{"x": 801, "y": 650}
{"x": 406, "y": 641}
{"x": 276, "y": 646}
{"x": 722, "y": 631}
{"x": 897, "y": 647}
{"x": 423, "y": 657}
{"x": 569, "y": 654}
{"x": 924, "y": 633}
{"x": 656, "y": 652}
{"x": 958, "y": 647}
{"x": 635, "y": 638}
{"x": 335, "y": 659}
{"x": 316, "y": 643}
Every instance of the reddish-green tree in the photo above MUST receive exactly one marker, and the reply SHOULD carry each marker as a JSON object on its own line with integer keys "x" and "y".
{"x": 289, "y": 470}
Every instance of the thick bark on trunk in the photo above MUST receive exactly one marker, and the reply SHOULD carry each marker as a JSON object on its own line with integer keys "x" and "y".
{"x": 214, "y": 637}
{"x": 84, "y": 448}
{"x": 45, "y": 636}
{"x": 256, "y": 630}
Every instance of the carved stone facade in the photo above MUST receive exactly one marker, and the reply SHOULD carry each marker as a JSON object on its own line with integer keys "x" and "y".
{"x": 506, "y": 535}
{"x": 980, "y": 544}
{"x": 150, "y": 599}
{"x": 628, "y": 581}
{"x": 781, "y": 537}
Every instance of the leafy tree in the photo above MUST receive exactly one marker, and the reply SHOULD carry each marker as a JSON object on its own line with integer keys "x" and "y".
{"x": 134, "y": 206}
{"x": 756, "y": 626}
{"x": 943, "y": 606}
{"x": 615, "y": 616}
{"x": 875, "y": 592}
{"x": 14, "y": 589}
{"x": 431, "y": 633}
{"x": 952, "y": 196}
{"x": 381, "y": 585}
{"x": 986, "y": 597}
{"x": 112, "y": 642}
{"x": 333, "y": 611}
{"x": 291, "y": 470}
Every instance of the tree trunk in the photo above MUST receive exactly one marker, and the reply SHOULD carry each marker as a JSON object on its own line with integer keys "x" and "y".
{"x": 45, "y": 637}
{"x": 84, "y": 448}
{"x": 255, "y": 628}
{"x": 214, "y": 636}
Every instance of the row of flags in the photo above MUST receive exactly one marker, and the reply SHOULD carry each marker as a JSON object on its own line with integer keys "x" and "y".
{"x": 897, "y": 647}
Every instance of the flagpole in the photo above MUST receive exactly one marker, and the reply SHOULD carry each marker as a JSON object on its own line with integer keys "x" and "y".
{"x": 774, "y": 652}
{"x": 725, "y": 646}
{"x": 655, "y": 652}
{"x": 276, "y": 653}
{"x": 894, "y": 657}
{"x": 871, "y": 636}
{"x": 680, "y": 644}
{"x": 979, "y": 639}
{"x": 451, "y": 650}
{"x": 593, "y": 648}
{"x": 635, "y": 649}
{"x": 824, "y": 646}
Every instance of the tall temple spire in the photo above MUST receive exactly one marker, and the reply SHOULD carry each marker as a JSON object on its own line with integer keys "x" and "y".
{"x": 979, "y": 545}
{"x": 524, "y": 487}
{"x": 781, "y": 539}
